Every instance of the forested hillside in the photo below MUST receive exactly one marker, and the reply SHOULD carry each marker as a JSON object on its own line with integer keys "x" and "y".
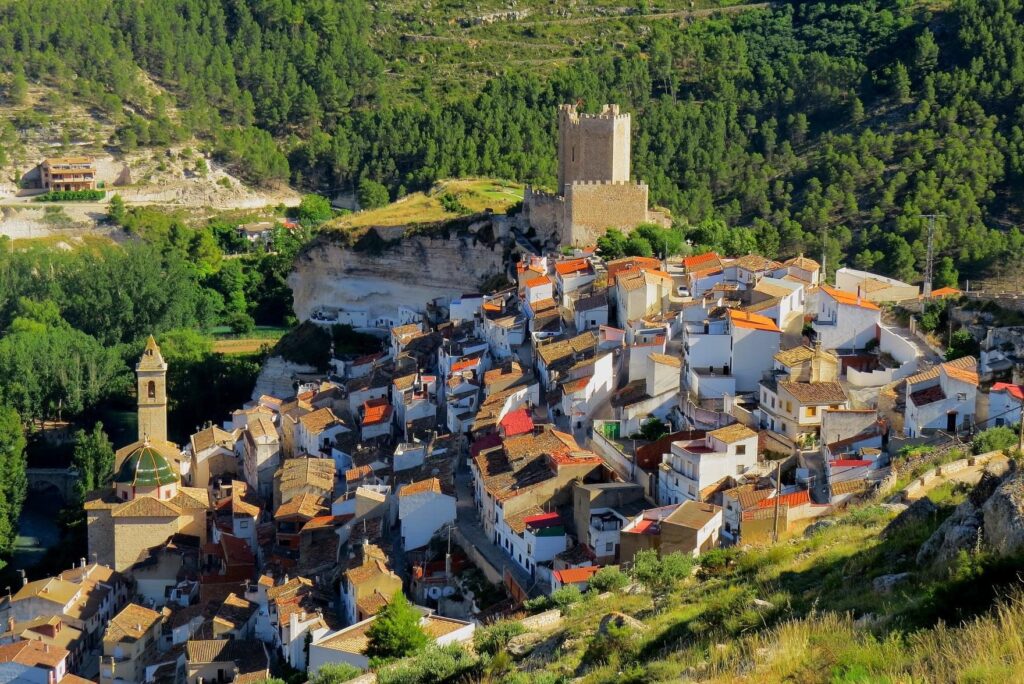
{"x": 836, "y": 122}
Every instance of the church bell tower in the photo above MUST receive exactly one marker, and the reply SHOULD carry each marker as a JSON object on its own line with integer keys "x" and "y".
{"x": 151, "y": 371}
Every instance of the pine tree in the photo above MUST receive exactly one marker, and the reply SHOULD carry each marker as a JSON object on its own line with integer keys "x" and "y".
{"x": 396, "y": 632}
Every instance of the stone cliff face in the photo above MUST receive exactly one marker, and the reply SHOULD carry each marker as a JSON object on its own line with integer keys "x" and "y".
{"x": 409, "y": 271}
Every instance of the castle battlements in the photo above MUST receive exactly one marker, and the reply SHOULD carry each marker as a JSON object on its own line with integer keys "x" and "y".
{"x": 607, "y": 113}
{"x": 608, "y": 182}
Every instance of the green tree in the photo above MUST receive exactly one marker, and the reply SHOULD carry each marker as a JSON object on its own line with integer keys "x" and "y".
{"x": 94, "y": 459}
{"x": 660, "y": 575}
{"x": 372, "y": 194}
{"x": 946, "y": 274}
{"x": 18, "y": 89}
{"x": 115, "y": 210}
{"x": 608, "y": 578}
{"x": 335, "y": 673}
{"x": 961, "y": 343}
{"x": 926, "y": 53}
{"x": 900, "y": 82}
{"x": 13, "y": 482}
{"x": 653, "y": 429}
{"x": 396, "y": 632}
{"x": 314, "y": 210}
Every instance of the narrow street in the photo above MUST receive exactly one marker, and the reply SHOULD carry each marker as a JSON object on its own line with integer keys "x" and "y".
{"x": 468, "y": 523}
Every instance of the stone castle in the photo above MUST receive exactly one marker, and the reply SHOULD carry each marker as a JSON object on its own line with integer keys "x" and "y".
{"x": 594, "y": 187}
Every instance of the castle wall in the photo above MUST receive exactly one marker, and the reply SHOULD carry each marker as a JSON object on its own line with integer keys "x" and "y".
{"x": 544, "y": 212}
{"x": 592, "y": 208}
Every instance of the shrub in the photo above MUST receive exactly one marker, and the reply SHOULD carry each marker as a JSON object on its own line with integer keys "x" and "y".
{"x": 335, "y": 673}
{"x": 994, "y": 439}
{"x": 71, "y": 196}
{"x": 659, "y": 575}
{"x": 314, "y": 210}
{"x": 608, "y": 579}
{"x": 566, "y": 596}
{"x": 451, "y": 663}
{"x": 372, "y": 194}
{"x": 493, "y": 638}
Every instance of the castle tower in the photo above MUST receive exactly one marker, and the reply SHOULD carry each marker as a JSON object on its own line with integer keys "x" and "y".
{"x": 151, "y": 371}
{"x": 592, "y": 147}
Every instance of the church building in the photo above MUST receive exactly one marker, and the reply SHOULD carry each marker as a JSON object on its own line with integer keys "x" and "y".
{"x": 146, "y": 503}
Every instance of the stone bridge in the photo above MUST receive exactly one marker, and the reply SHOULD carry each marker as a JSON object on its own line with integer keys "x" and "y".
{"x": 52, "y": 481}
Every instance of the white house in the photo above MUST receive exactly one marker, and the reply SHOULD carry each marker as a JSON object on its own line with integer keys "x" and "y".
{"x": 590, "y": 312}
{"x": 782, "y": 299}
{"x": 571, "y": 275}
{"x": 803, "y": 268}
{"x": 349, "y": 644}
{"x": 1004, "y": 404}
{"x": 588, "y": 385}
{"x": 654, "y": 395}
{"x": 317, "y": 430}
{"x": 942, "y": 398}
{"x": 695, "y": 465}
{"x": 845, "y": 321}
{"x": 640, "y": 292}
{"x": 261, "y": 454}
{"x": 465, "y": 308}
{"x": 747, "y": 270}
{"x": 375, "y": 419}
{"x": 755, "y": 342}
{"x": 874, "y": 287}
{"x": 538, "y": 289}
{"x": 423, "y": 509}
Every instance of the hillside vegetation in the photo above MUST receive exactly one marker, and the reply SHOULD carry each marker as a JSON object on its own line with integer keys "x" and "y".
{"x": 818, "y": 126}
{"x": 846, "y": 602}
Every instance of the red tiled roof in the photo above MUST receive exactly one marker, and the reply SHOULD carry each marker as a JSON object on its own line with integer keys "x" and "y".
{"x": 850, "y": 463}
{"x": 848, "y": 298}
{"x": 574, "y": 575}
{"x": 572, "y": 266}
{"x": 537, "y": 282}
{"x": 794, "y": 499}
{"x": 376, "y": 411}
{"x": 1015, "y": 391}
{"x": 752, "y": 321}
{"x": 464, "y": 364}
{"x": 945, "y": 292}
{"x": 488, "y": 441}
{"x": 517, "y": 423}
{"x": 543, "y": 520}
{"x": 699, "y": 259}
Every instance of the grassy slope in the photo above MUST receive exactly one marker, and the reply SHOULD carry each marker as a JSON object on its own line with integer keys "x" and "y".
{"x": 475, "y": 194}
{"x": 822, "y": 620}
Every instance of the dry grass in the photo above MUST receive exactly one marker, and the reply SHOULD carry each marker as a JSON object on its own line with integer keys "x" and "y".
{"x": 476, "y": 194}
{"x": 249, "y": 345}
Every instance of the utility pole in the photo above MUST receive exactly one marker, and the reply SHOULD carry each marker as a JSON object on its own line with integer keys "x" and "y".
{"x": 778, "y": 495}
{"x": 931, "y": 251}
{"x": 824, "y": 258}
{"x": 1020, "y": 438}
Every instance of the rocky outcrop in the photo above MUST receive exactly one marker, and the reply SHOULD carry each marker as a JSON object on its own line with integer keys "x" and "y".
{"x": 991, "y": 517}
{"x": 1004, "y": 517}
{"x": 886, "y": 584}
{"x": 918, "y": 512}
{"x": 957, "y": 532}
{"x": 378, "y": 276}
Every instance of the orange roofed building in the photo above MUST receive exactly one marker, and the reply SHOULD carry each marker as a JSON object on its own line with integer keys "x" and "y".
{"x": 68, "y": 173}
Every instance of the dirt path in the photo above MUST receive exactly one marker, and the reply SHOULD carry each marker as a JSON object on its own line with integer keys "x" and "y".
{"x": 708, "y": 11}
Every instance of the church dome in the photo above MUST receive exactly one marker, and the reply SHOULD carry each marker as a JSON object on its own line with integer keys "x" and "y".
{"x": 145, "y": 467}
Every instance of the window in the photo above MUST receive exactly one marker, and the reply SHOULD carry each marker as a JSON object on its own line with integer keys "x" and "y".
{"x": 812, "y": 411}
{"x": 961, "y": 396}
{"x": 773, "y": 402}
{"x": 789, "y": 407}
{"x": 741, "y": 449}
{"x": 243, "y": 524}
{"x": 609, "y": 547}
{"x": 151, "y": 390}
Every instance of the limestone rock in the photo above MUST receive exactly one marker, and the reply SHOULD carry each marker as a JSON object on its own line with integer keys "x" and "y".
{"x": 919, "y": 511}
{"x": 620, "y": 620}
{"x": 885, "y": 584}
{"x": 818, "y": 526}
{"x": 958, "y": 531}
{"x": 1004, "y": 517}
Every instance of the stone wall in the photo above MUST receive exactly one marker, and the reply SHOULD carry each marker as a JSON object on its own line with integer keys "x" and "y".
{"x": 592, "y": 208}
{"x": 544, "y": 212}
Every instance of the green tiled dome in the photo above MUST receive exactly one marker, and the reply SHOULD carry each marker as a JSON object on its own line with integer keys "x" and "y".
{"x": 145, "y": 467}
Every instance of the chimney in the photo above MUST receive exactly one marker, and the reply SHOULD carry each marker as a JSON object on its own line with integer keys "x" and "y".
{"x": 10, "y": 624}
{"x": 82, "y": 561}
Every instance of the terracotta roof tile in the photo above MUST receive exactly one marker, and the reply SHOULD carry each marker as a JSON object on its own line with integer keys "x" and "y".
{"x": 732, "y": 433}
{"x": 575, "y": 575}
{"x": 423, "y": 486}
{"x": 849, "y": 298}
{"x": 752, "y": 321}
{"x": 132, "y": 623}
{"x": 815, "y": 392}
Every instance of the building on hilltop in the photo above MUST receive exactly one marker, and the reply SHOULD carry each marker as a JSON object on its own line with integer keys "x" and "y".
{"x": 595, "y": 191}
{"x": 68, "y": 173}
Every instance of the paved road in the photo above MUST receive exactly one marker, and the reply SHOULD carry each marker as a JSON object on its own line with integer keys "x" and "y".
{"x": 468, "y": 522}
